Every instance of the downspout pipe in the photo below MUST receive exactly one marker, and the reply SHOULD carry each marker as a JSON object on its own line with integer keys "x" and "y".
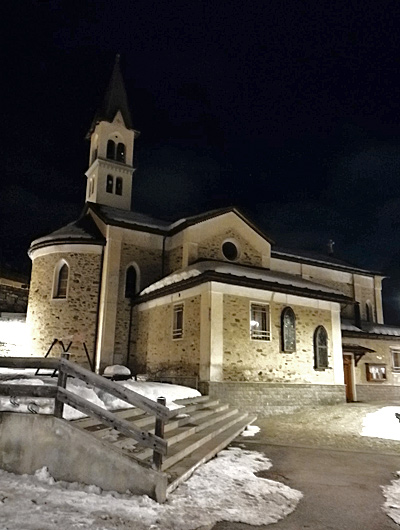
{"x": 96, "y": 333}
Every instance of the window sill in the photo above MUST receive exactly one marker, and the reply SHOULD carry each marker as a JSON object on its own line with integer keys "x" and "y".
{"x": 322, "y": 369}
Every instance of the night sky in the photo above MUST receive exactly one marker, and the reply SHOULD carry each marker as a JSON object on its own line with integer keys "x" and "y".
{"x": 288, "y": 110}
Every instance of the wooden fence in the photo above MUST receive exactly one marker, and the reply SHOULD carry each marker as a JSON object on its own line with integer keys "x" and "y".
{"x": 62, "y": 397}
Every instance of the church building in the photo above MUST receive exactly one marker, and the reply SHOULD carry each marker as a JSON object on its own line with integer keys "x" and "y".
{"x": 208, "y": 301}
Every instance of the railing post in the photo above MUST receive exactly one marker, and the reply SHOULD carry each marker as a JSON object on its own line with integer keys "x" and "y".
{"x": 159, "y": 431}
{"x": 61, "y": 382}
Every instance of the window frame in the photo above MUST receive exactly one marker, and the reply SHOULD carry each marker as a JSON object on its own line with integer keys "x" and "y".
{"x": 177, "y": 332}
{"x": 318, "y": 365}
{"x": 284, "y": 340}
{"x": 393, "y": 352}
{"x": 135, "y": 267}
{"x": 120, "y": 154}
{"x": 373, "y": 369}
{"x": 110, "y": 150}
{"x": 61, "y": 293}
{"x": 263, "y": 334}
{"x": 237, "y": 247}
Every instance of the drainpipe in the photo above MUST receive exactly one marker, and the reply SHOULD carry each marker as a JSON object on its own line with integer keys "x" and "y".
{"x": 96, "y": 333}
{"x": 128, "y": 353}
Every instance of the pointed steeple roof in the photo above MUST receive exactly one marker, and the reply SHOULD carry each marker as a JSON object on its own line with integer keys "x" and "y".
{"x": 115, "y": 100}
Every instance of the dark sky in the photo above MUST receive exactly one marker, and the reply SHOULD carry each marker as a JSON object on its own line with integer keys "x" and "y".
{"x": 287, "y": 110}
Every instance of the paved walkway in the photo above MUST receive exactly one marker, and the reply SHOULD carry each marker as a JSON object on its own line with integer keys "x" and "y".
{"x": 339, "y": 474}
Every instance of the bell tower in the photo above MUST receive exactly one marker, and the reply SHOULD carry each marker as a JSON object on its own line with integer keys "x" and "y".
{"x": 109, "y": 177}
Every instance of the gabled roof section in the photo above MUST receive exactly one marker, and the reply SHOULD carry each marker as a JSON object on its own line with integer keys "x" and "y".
{"x": 115, "y": 100}
{"x": 128, "y": 219}
{"x": 83, "y": 230}
{"x": 142, "y": 222}
{"x": 320, "y": 260}
{"x": 234, "y": 274}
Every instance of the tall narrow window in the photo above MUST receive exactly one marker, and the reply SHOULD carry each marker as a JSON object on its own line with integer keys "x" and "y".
{"x": 288, "y": 330}
{"x": 177, "y": 323}
{"x": 110, "y": 184}
{"x": 110, "y": 150}
{"x": 121, "y": 152}
{"x": 118, "y": 186}
{"x": 320, "y": 348}
{"x": 130, "y": 282}
{"x": 259, "y": 322}
{"x": 395, "y": 359}
{"x": 62, "y": 282}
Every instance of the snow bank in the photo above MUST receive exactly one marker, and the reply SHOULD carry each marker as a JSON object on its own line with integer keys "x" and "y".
{"x": 382, "y": 424}
{"x": 224, "y": 489}
{"x": 392, "y": 495}
{"x": 98, "y": 397}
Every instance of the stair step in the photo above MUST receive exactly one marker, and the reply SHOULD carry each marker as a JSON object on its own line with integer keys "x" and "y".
{"x": 189, "y": 430}
{"x": 183, "y": 469}
{"x": 188, "y": 446}
{"x": 196, "y": 399}
{"x": 126, "y": 414}
{"x": 176, "y": 424}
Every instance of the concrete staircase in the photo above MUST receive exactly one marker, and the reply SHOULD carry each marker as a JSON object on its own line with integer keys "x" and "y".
{"x": 202, "y": 428}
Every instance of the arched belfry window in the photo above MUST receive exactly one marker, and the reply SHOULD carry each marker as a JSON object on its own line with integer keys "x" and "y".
{"x": 120, "y": 152}
{"x": 111, "y": 150}
{"x": 131, "y": 281}
{"x": 320, "y": 348}
{"x": 288, "y": 330}
{"x": 109, "y": 184}
{"x": 118, "y": 186}
{"x": 61, "y": 281}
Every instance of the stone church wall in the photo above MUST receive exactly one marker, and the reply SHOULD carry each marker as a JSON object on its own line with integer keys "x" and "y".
{"x": 149, "y": 263}
{"x": 73, "y": 318}
{"x": 211, "y": 249}
{"x": 165, "y": 356}
{"x": 263, "y": 361}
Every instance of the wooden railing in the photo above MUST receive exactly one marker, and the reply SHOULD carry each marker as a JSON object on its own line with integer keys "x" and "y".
{"x": 62, "y": 397}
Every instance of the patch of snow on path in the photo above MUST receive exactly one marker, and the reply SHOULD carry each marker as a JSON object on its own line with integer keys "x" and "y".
{"x": 224, "y": 489}
{"x": 382, "y": 424}
{"x": 392, "y": 495}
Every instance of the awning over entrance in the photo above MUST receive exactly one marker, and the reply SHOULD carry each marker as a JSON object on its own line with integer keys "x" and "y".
{"x": 357, "y": 350}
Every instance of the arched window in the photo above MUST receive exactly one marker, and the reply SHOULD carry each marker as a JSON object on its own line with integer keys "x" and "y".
{"x": 369, "y": 313}
{"x": 110, "y": 150}
{"x": 120, "y": 152}
{"x": 118, "y": 186}
{"x": 110, "y": 184}
{"x": 320, "y": 348}
{"x": 61, "y": 282}
{"x": 288, "y": 330}
{"x": 131, "y": 282}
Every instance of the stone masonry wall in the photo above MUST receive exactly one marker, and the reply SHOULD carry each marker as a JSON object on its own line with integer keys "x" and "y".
{"x": 256, "y": 360}
{"x": 149, "y": 263}
{"x": 165, "y": 356}
{"x": 381, "y": 355}
{"x": 174, "y": 260}
{"x": 211, "y": 249}
{"x": 265, "y": 399}
{"x": 73, "y": 318}
{"x": 13, "y": 299}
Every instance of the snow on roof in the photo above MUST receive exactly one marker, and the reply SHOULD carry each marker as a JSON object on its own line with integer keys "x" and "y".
{"x": 371, "y": 328}
{"x": 129, "y": 218}
{"x": 239, "y": 271}
{"x": 82, "y": 230}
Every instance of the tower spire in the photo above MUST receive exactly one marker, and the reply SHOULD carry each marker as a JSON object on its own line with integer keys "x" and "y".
{"x": 115, "y": 99}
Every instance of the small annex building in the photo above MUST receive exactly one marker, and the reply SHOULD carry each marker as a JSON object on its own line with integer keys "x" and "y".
{"x": 207, "y": 300}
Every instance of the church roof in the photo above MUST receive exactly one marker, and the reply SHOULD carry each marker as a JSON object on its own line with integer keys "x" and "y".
{"x": 139, "y": 221}
{"x": 319, "y": 259}
{"x": 245, "y": 276}
{"x": 115, "y": 99}
{"x": 84, "y": 230}
{"x": 368, "y": 329}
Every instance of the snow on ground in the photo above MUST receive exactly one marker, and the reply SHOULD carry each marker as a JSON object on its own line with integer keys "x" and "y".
{"x": 96, "y": 396}
{"x": 250, "y": 430}
{"x": 392, "y": 495}
{"x": 224, "y": 489}
{"x": 382, "y": 424}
